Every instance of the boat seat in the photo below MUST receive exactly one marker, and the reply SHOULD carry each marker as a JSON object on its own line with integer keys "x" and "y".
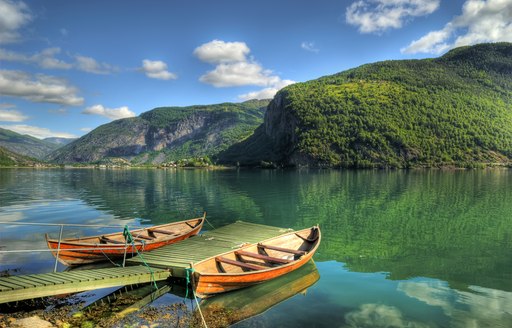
{"x": 284, "y": 250}
{"x": 143, "y": 237}
{"x": 239, "y": 263}
{"x": 162, "y": 231}
{"x": 110, "y": 240}
{"x": 263, "y": 257}
{"x": 139, "y": 239}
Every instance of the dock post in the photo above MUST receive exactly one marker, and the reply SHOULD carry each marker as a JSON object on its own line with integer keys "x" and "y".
{"x": 58, "y": 249}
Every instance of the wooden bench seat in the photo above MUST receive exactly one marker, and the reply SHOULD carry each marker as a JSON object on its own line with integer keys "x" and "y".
{"x": 143, "y": 237}
{"x": 239, "y": 263}
{"x": 263, "y": 257}
{"x": 104, "y": 239}
{"x": 284, "y": 250}
{"x": 162, "y": 231}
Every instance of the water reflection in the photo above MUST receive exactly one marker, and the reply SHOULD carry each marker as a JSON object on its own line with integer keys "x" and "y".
{"x": 249, "y": 302}
{"x": 476, "y": 307}
{"x": 443, "y": 236}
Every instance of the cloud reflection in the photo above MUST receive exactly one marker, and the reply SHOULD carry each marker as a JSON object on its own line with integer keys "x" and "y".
{"x": 379, "y": 315}
{"x": 477, "y": 307}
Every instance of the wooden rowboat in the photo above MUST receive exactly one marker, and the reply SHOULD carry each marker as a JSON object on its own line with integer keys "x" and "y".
{"x": 255, "y": 263}
{"x": 76, "y": 251}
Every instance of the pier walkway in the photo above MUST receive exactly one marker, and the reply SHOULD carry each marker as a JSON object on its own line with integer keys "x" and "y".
{"x": 171, "y": 260}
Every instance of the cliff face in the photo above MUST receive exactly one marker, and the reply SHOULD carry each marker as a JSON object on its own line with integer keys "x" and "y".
{"x": 452, "y": 110}
{"x": 25, "y": 145}
{"x": 167, "y": 134}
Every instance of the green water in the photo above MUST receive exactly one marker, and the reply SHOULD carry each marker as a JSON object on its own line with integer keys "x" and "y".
{"x": 399, "y": 248}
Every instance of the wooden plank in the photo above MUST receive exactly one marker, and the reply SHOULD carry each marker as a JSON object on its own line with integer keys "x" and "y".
{"x": 22, "y": 281}
{"x": 60, "y": 276}
{"x": 2, "y": 288}
{"x": 40, "y": 280}
{"x": 263, "y": 257}
{"x": 239, "y": 264}
{"x": 111, "y": 241}
{"x": 284, "y": 250}
{"x": 10, "y": 284}
{"x": 162, "y": 231}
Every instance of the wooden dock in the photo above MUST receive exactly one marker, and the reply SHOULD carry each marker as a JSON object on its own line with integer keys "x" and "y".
{"x": 178, "y": 257}
{"x": 17, "y": 288}
{"x": 171, "y": 260}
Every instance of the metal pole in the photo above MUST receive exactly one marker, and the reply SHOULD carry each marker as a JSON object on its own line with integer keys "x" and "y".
{"x": 58, "y": 249}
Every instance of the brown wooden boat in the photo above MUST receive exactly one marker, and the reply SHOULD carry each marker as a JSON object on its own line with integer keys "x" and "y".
{"x": 255, "y": 263}
{"x": 76, "y": 251}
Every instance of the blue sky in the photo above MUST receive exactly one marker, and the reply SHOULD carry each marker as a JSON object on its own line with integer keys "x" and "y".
{"x": 67, "y": 67}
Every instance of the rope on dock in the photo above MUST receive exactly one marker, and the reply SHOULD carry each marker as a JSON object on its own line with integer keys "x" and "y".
{"x": 129, "y": 239}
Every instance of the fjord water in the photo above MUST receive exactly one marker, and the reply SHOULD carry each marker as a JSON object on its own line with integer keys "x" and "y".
{"x": 414, "y": 248}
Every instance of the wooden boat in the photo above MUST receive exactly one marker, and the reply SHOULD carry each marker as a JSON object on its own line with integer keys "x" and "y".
{"x": 251, "y": 301}
{"x": 255, "y": 263}
{"x": 76, "y": 251}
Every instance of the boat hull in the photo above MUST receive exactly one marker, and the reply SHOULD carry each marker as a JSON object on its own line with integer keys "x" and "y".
{"x": 72, "y": 252}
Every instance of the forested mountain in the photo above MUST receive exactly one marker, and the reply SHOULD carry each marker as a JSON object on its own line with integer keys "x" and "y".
{"x": 452, "y": 110}
{"x": 25, "y": 145}
{"x": 9, "y": 158}
{"x": 167, "y": 134}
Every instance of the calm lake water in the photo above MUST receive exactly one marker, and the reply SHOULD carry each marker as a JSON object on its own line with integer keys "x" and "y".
{"x": 399, "y": 248}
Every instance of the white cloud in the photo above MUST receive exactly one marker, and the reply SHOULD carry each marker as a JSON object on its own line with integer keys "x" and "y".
{"x": 375, "y": 16}
{"x": 90, "y": 65}
{"x": 157, "y": 69}
{"x": 480, "y": 21}
{"x": 13, "y": 16}
{"x": 86, "y": 130}
{"x": 266, "y": 93}
{"x": 217, "y": 51}
{"x": 111, "y": 113}
{"x": 11, "y": 115}
{"x": 234, "y": 68}
{"x": 309, "y": 46}
{"x": 37, "y": 132}
{"x": 38, "y": 88}
{"x": 238, "y": 74}
{"x": 47, "y": 59}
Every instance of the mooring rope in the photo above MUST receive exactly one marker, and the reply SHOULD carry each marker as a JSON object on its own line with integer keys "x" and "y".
{"x": 129, "y": 239}
{"x": 189, "y": 272}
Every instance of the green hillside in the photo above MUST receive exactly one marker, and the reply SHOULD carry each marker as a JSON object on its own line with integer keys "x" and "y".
{"x": 9, "y": 159}
{"x": 25, "y": 145}
{"x": 453, "y": 110}
{"x": 167, "y": 134}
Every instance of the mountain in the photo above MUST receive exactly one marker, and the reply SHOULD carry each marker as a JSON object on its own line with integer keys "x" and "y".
{"x": 167, "y": 134}
{"x": 25, "y": 144}
{"x": 59, "y": 141}
{"x": 455, "y": 110}
{"x": 9, "y": 158}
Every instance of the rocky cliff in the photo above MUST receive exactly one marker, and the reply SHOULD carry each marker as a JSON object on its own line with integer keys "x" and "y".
{"x": 167, "y": 134}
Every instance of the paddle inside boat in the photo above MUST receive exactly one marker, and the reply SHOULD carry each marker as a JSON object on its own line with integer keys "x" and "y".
{"x": 255, "y": 263}
{"x": 76, "y": 251}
